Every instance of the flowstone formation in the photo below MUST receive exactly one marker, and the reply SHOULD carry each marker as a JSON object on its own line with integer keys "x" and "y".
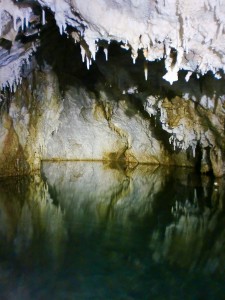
{"x": 77, "y": 86}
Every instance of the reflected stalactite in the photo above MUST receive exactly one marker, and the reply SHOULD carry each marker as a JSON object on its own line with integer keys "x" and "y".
{"x": 194, "y": 240}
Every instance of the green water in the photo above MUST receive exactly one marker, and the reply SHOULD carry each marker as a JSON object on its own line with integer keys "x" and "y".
{"x": 97, "y": 231}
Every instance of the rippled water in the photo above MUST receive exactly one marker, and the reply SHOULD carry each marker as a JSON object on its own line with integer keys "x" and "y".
{"x": 97, "y": 231}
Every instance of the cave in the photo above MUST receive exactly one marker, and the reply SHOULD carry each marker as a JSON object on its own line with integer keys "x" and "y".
{"x": 106, "y": 100}
{"x": 112, "y": 149}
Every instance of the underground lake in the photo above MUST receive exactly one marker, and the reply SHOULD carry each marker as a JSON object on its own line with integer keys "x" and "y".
{"x": 112, "y": 150}
{"x": 94, "y": 230}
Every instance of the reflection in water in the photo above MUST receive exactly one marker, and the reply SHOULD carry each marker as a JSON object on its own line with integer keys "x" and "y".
{"x": 94, "y": 231}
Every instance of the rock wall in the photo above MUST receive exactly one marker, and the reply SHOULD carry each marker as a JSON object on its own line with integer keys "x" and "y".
{"x": 42, "y": 124}
{"x": 88, "y": 101}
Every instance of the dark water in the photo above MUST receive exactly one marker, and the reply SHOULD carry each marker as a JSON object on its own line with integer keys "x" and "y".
{"x": 93, "y": 231}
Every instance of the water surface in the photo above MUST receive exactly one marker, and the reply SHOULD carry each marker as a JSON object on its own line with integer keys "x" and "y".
{"x": 99, "y": 231}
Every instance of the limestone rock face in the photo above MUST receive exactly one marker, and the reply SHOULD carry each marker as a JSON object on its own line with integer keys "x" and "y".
{"x": 79, "y": 127}
{"x": 96, "y": 129}
{"x": 88, "y": 101}
{"x": 188, "y": 128}
{"x": 42, "y": 124}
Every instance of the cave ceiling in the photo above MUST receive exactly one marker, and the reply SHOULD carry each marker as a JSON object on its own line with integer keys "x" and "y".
{"x": 186, "y": 35}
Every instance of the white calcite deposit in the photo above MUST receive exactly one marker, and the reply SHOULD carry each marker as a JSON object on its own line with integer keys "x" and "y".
{"x": 188, "y": 35}
{"x": 13, "y": 18}
{"x": 174, "y": 30}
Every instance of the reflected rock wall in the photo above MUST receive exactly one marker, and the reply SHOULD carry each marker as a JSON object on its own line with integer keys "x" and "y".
{"x": 195, "y": 230}
{"x": 95, "y": 191}
{"x": 28, "y": 218}
{"x": 181, "y": 217}
{"x": 181, "y": 214}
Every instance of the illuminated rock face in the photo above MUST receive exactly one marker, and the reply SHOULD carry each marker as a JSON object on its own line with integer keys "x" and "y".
{"x": 42, "y": 124}
{"x": 81, "y": 126}
{"x": 112, "y": 111}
